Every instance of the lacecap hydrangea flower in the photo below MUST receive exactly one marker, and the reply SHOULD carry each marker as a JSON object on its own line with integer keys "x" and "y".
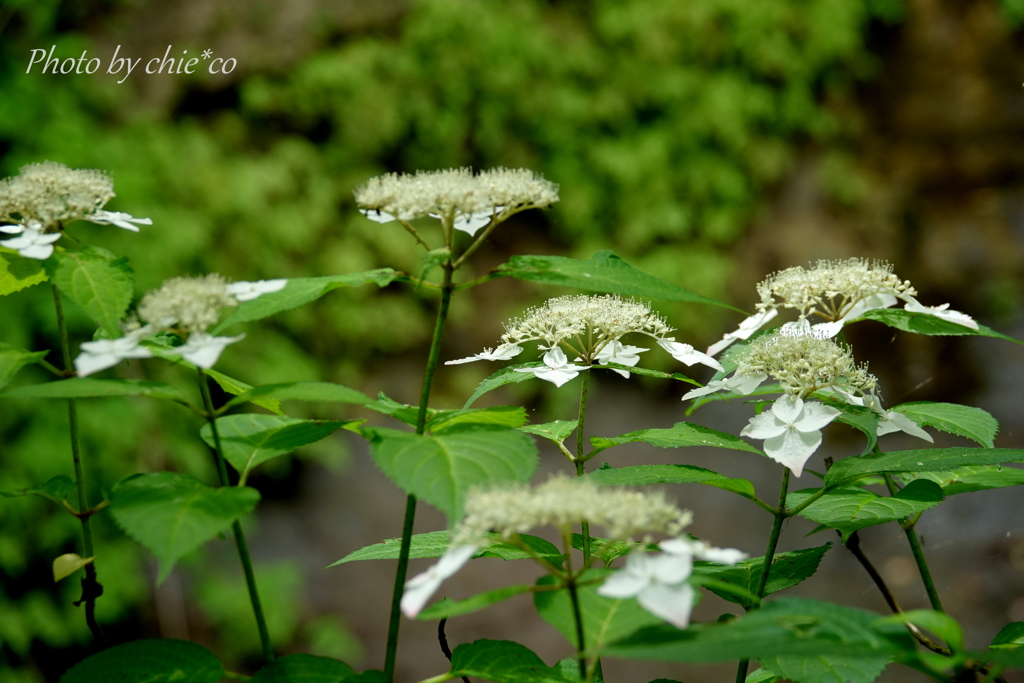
{"x": 457, "y": 197}
{"x": 186, "y": 306}
{"x": 836, "y": 292}
{"x": 590, "y": 329}
{"x": 43, "y": 198}
{"x": 803, "y": 363}
{"x": 659, "y": 582}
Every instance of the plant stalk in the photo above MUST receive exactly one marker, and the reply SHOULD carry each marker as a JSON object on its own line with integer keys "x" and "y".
{"x": 915, "y": 548}
{"x": 769, "y": 556}
{"x": 581, "y": 459}
{"x": 91, "y": 588}
{"x": 236, "y": 527}
{"x": 402, "y": 570}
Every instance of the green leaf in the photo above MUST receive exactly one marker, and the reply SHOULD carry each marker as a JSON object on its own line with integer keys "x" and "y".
{"x": 155, "y": 660}
{"x": 236, "y": 387}
{"x": 636, "y": 370}
{"x": 788, "y": 569}
{"x": 446, "y": 608}
{"x": 98, "y": 388}
{"x": 968, "y": 479}
{"x": 502, "y": 416}
{"x": 602, "y": 272}
{"x": 368, "y": 676}
{"x": 250, "y": 439}
{"x": 18, "y": 272}
{"x": 440, "y": 468}
{"x": 570, "y": 670}
{"x": 13, "y": 359}
{"x": 501, "y": 661}
{"x": 508, "y": 375}
{"x": 762, "y": 675}
{"x": 860, "y": 418}
{"x": 304, "y": 668}
{"x": 921, "y": 323}
{"x": 97, "y": 281}
{"x": 555, "y": 431}
{"x": 827, "y": 668}
{"x": 677, "y": 436}
{"x": 326, "y": 392}
{"x": 942, "y": 625}
{"x": 851, "y": 508}
{"x": 781, "y": 627}
{"x": 56, "y": 489}
{"x": 973, "y": 423}
{"x": 435, "y": 543}
{"x": 300, "y": 291}
{"x": 924, "y": 460}
{"x": 604, "y": 619}
{"x": 172, "y": 514}
{"x": 432, "y": 259}
{"x": 642, "y": 475}
{"x": 1010, "y": 636}
{"x": 607, "y": 550}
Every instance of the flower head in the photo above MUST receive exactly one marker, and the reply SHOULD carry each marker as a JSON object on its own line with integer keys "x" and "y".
{"x": 469, "y": 201}
{"x": 192, "y": 303}
{"x": 591, "y": 327}
{"x": 562, "y": 502}
{"x": 659, "y": 582}
{"x": 791, "y": 430}
{"x": 46, "y": 196}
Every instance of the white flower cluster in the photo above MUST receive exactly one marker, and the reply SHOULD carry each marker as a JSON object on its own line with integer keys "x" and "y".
{"x": 469, "y": 201}
{"x": 838, "y": 292}
{"x": 589, "y": 327}
{"x": 658, "y": 582}
{"x": 37, "y": 203}
{"x": 187, "y": 306}
{"x": 804, "y": 363}
{"x": 562, "y": 502}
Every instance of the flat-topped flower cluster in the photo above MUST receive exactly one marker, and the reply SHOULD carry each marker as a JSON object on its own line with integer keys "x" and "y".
{"x": 466, "y": 201}
{"x": 43, "y": 198}
{"x": 589, "y": 328}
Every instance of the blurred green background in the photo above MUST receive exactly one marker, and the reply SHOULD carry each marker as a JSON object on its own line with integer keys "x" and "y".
{"x": 708, "y": 142}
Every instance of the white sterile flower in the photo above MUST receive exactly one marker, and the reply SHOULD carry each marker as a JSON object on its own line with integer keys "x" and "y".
{"x": 684, "y": 353}
{"x": 419, "y": 588}
{"x": 942, "y": 312}
{"x": 118, "y": 218}
{"x": 617, "y": 352}
{"x": 748, "y": 327}
{"x": 247, "y": 291}
{"x": 870, "y": 303}
{"x": 503, "y": 352}
{"x": 702, "y": 551}
{"x": 742, "y": 384}
{"x": 658, "y": 582}
{"x": 556, "y": 369}
{"x": 791, "y": 430}
{"x": 33, "y": 243}
{"x": 472, "y": 222}
{"x": 891, "y": 421}
{"x": 204, "y": 349}
{"x": 106, "y": 353}
{"x": 15, "y": 229}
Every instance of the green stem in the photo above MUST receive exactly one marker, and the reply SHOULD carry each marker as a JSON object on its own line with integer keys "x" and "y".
{"x": 915, "y": 548}
{"x": 769, "y": 556}
{"x": 236, "y": 527}
{"x": 402, "y": 570}
{"x": 581, "y": 643}
{"x": 580, "y": 459}
{"x": 91, "y": 588}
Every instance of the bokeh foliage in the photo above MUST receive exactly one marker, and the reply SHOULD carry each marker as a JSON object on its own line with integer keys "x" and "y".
{"x": 665, "y": 122}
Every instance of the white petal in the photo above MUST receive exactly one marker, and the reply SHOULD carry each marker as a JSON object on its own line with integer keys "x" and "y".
{"x": 745, "y": 384}
{"x": 247, "y": 291}
{"x": 419, "y": 588}
{"x": 728, "y": 556}
{"x": 37, "y": 251}
{"x": 869, "y": 303}
{"x": 557, "y": 376}
{"x": 793, "y": 448}
{"x": 764, "y": 426}
{"x": 203, "y": 349}
{"x": 815, "y": 416}
{"x": 555, "y": 358}
{"x": 685, "y": 353}
{"x": 682, "y": 547}
{"x": 827, "y": 330}
{"x": 15, "y": 229}
{"x": 377, "y": 215}
{"x": 472, "y": 223}
{"x": 942, "y": 312}
{"x": 88, "y": 362}
{"x": 670, "y": 568}
{"x": 901, "y": 422}
{"x": 623, "y": 584}
{"x": 787, "y": 408}
{"x": 671, "y": 603}
{"x": 710, "y": 388}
